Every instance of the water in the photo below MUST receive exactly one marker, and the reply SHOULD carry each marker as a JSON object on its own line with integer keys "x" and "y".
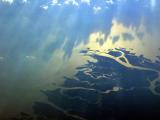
{"x": 44, "y": 43}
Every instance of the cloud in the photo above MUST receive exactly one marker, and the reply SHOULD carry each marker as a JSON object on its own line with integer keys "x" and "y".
{"x": 75, "y": 24}
{"x": 24, "y": 1}
{"x": 30, "y": 57}
{"x": 45, "y": 7}
{"x": 54, "y": 2}
{"x": 96, "y": 9}
{"x": 70, "y": 2}
{"x": 86, "y": 1}
{"x": 11, "y": 1}
{"x": 73, "y": 2}
{"x": 8, "y": 1}
{"x": 153, "y": 3}
{"x": 110, "y": 2}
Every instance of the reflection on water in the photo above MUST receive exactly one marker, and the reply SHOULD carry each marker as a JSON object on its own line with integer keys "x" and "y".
{"x": 41, "y": 44}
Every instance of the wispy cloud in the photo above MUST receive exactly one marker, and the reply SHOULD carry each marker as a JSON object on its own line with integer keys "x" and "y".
{"x": 109, "y": 2}
{"x": 45, "y": 7}
{"x": 86, "y": 1}
{"x": 30, "y": 57}
{"x": 73, "y": 2}
{"x": 24, "y": 1}
{"x": 96, "y": 9}
{"x": 8, "y": 1}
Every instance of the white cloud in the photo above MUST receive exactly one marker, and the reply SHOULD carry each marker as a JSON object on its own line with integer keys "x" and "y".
{"x": 153, "y": 3}
{"x": 30, "y": 57}
{"x": 45, "y": 7}
{"x": 109, "y": 2}
{"x": 73, "y": 2}
{"x": 8, "y": 1}
{"x": 11, "y": 1}
{"x": 86, "y": 1}
{"x": 96, "y": 9}
{"x": 24, "y": 1}
{"x": 54, "y": 2}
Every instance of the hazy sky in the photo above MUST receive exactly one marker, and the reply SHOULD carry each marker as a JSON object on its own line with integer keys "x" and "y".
{"x": 40, "y": 40}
